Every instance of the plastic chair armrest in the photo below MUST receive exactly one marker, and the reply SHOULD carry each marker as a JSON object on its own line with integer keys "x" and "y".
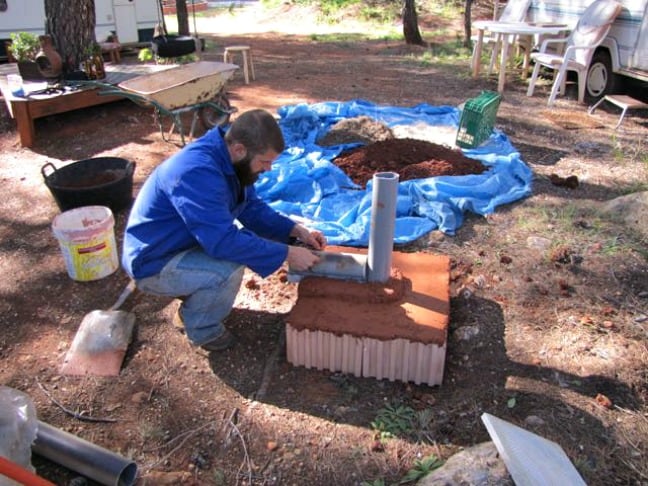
{"x": 552, "y": 40}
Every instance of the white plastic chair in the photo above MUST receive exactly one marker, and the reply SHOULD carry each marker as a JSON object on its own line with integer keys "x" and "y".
{"x": 592, "y": 27}
{"x": 514, "y": 11}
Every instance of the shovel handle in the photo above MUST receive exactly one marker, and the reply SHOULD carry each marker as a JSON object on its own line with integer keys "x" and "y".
{"x": 17, "y": 472}
{"x": 128, "y": 290}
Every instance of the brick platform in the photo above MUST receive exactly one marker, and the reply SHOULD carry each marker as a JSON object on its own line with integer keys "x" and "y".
{"x": 402, "y": 339}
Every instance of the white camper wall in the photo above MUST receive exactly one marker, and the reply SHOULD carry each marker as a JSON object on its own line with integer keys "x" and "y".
{"x": 147, "y": 12}
{"x": 639, "y": 59}
{"x": 22, "y": 16}
{"x": 29, "y": 16}
{"x": 105, "y": 19}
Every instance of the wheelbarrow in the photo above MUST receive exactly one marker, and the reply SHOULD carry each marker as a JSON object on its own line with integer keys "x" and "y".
{"x": 195, "y": 87}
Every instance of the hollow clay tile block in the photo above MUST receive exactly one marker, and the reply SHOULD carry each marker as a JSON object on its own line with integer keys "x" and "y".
{"x": 400, "y": 338}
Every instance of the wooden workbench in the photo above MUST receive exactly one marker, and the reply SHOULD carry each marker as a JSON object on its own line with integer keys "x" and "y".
{"x": 26, "y": 109}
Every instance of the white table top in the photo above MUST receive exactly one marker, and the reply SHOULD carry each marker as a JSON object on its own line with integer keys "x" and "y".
{"x": 519, "y": 28}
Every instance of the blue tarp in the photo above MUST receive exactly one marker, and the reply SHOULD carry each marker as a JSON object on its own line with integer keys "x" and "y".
{"x": 305, "y": 183}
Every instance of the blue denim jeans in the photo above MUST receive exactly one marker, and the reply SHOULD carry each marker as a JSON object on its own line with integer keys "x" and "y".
{"x": 207, "y": 288}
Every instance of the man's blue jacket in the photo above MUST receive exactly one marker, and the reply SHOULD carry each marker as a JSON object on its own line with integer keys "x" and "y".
{"x": 194, "y": 198}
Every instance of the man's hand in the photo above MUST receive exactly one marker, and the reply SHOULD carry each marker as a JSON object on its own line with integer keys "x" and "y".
{"x": 314, "y": 239}
{"x": 301, "y": 259}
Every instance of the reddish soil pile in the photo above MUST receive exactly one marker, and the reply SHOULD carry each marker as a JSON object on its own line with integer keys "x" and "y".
{"x": 410, "y": 158}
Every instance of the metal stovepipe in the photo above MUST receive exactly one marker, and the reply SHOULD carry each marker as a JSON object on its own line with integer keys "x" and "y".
{"x": 383, "y": 221}
{"x": 86, "y": 458}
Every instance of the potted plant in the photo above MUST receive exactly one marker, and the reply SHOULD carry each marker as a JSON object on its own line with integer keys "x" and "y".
{"x": 23, "y": 48}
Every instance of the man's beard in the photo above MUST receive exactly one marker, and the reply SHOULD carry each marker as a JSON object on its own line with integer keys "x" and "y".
{"x": 244, "y": 172}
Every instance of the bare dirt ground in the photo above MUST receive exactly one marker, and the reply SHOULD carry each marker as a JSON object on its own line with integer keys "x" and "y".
{"x": 548, "y": 322}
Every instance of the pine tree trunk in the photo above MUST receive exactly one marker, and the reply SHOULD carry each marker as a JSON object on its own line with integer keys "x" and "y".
{"x": 71, "y": 23}
{"x": 410, "y": 24}
{"x": 183, "y": 17}
{"x": 468, "y": 24}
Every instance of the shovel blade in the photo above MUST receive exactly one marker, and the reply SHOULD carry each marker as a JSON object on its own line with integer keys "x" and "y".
{"x": 100, "y": 344}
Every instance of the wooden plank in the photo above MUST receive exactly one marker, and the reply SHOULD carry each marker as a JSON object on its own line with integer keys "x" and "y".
{"x": 26, "y": 111}
{"x": 24, "y": 123}
{"x": 75, "y": 100}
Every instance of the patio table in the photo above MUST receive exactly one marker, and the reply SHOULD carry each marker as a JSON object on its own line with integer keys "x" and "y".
{"x": 507, "y": 31}
{"x": 26, "y": 109}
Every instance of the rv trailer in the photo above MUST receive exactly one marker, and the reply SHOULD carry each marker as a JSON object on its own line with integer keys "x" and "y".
{"x": 623, "y": 54}
{"x": 132, "y": 20}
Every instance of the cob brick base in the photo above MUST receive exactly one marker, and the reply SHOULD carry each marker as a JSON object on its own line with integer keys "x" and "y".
{"x": 348, "y": 327}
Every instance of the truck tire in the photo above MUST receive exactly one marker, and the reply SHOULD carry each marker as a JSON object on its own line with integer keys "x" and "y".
{"x": 600, "y": 78}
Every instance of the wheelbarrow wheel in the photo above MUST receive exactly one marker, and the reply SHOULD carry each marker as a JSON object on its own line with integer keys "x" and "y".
{"x": 217, "y": 113}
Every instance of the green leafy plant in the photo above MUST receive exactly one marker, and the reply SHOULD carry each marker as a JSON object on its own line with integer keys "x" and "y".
{"x": 93, "y": 49}
{"x": 393, "y": 421}
{"x": 24, "y": 46}
{"x": 423, "y": 424}
{"x": 421, "y": 468}
{"x": 145, "y": 55}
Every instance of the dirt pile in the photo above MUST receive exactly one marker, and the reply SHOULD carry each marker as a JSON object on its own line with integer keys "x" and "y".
{"x": 411, "y": 159}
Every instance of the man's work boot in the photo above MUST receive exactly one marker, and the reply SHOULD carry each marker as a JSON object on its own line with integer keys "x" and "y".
{"x": 177, "y": 321}
{"x": 221, "y": 343}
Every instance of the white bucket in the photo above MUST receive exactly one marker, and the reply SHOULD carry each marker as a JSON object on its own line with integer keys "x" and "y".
{"x": 87, "y": 240}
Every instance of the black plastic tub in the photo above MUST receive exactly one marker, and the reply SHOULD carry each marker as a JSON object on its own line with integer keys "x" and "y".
{"x": 101, "y": 181}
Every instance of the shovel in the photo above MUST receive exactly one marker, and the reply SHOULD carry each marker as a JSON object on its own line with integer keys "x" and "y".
{"x": 101, "y": 341}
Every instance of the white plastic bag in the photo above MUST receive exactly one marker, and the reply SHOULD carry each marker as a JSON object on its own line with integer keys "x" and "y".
{"x": 18, "y": 424}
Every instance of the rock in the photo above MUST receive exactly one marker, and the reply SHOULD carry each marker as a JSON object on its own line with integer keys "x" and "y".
{"x": 479, "y": 465}
{"x": 465, "y": 333}
{"x": 534, "y": 421}
{"x": 538, "y": 243}
{"x": 632, "y": 209}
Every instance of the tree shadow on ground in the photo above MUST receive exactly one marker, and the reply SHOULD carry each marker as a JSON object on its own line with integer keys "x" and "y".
{"x": 479, "y": 377}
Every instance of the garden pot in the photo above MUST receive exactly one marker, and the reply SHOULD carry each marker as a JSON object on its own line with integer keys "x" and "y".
{"x": 49, "y": 61}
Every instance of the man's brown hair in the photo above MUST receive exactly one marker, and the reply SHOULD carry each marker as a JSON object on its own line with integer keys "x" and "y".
{"x": 257, "y": 131}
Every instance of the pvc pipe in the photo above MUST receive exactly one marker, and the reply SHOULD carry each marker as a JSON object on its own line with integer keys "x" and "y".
{"x": 90, "y": 460}
{"x": 20, "y": 474}
{"x": 383, "y": 221}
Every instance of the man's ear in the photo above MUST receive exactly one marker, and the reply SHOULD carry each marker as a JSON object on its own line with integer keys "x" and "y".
{"x": 238, "y": 151}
